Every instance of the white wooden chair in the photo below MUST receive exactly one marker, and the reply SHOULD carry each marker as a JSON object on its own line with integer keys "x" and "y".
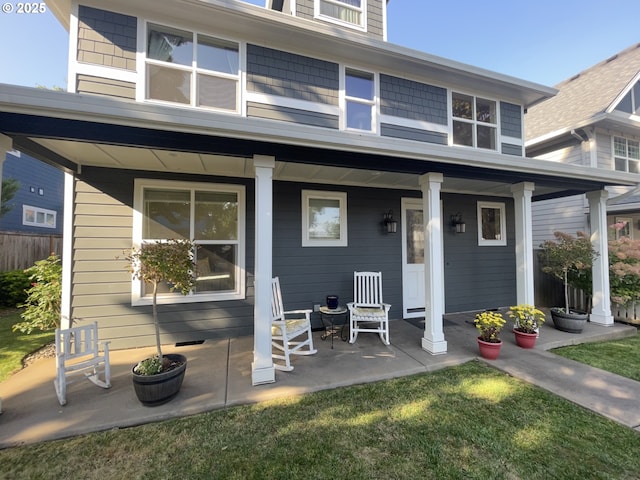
{"x": 77, "y": 351}
{"x": 285, "y": 332}
{"x": 367, "y": 312}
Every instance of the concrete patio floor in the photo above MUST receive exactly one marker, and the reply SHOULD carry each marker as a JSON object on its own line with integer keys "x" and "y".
{"x": 219, "y": 375}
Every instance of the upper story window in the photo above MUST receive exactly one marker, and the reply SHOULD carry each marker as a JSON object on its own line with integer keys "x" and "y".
{"x": 213, "y": 216}
{"x": 631, "y": 101}
{"x": 347, "y": 12}
{"x": 475, "y": 121}
{"x": 192, "y": 69}
{"x": 626, "y": 154}
{"x": 359, "y": 100}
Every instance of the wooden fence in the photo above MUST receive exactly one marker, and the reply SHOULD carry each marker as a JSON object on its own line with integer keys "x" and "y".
{"x": 21, "y": 250}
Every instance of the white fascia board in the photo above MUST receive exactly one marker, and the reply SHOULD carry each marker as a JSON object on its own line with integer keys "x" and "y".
{"x": 91, "y": 108}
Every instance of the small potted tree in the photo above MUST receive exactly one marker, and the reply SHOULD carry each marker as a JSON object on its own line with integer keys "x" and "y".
{"x": 489, "y": 324}
{"x": 569, "y": 259}
{"x": 527, "y": 320}
{"x": 158, "y": 379}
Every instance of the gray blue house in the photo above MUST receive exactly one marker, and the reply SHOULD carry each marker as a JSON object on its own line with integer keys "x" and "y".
{"x": 37, "y": 207}
{"x": 280, "y": 139}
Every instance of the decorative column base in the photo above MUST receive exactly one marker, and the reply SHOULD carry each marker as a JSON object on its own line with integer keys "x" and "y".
{"x": 260, "y": 376}
{"x": 602, "y": 320}
{"x": 434, "y": 348}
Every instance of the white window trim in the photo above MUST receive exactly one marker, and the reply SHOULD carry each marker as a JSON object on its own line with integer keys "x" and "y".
{"x": 37, "y": 210}
{"x": 175, "y": 297}
{"x": 143, "y": 61}
{"x": 626, "y": 158}
{"x": 503, "y": 224}
{"x": 374, "y": 103}
{"x": 327, "y": 18}
{"x": 474, "y": 122}
{"x": 313, "y": 194}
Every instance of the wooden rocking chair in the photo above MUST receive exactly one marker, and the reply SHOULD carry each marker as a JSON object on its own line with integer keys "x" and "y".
{"x": 77, "y": 351}
{"x": 285, "y": 331}
{"x": 368, "y": 313}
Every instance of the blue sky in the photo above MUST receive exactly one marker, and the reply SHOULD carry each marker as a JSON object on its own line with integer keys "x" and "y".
{"x": 543, "y": 41}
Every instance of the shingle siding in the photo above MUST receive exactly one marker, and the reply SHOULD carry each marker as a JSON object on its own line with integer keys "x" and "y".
{"x": 511, "y": 120}
{"x": 412, "y": 100}
{"x": 294, "y": 76}
{"x": 106, "y": 38}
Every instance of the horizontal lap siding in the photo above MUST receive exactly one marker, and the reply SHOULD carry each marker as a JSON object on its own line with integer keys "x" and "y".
{"x": 477, "y": 277}
{"x": 102, "y": 284}
{"x": 564, "y": 214}
{"x": 304, "y": 117}
{"x": 309, "y": 274}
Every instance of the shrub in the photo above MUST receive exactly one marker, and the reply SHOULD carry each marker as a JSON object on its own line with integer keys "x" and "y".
{"x": 42, "y": 308}
{"x": 13, "y": 287}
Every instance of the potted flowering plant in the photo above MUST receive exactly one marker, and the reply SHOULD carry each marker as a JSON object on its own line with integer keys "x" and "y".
{"x": 527, "y": 321}
{"x": 489, "y": 324}
{"x": 157, "y": 379}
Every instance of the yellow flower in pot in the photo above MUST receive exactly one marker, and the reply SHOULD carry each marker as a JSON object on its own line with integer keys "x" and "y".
{"x": 489, "y": 324}
{"x": 527, "y": 321}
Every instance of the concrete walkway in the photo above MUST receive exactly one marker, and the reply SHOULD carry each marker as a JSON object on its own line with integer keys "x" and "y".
{"x": 219, "y": 375}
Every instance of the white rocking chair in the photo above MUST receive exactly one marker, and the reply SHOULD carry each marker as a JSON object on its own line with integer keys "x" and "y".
{"x": 368, "y": 313}
{"x": 77, "y": 351}
{"x": 285, "y": 330}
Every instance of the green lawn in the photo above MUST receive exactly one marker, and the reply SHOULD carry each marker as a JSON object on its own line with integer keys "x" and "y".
{"x": 617, "y": 356}
{"x": 467, "y": 422}
{"x": 14, "y": 346}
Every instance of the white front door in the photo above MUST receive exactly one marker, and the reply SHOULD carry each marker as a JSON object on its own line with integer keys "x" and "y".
{"x": 413, "y": 302}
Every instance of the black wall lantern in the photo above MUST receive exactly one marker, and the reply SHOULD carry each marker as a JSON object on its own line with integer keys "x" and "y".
{"x": 457, "y": 224}
{"x": 390, "y": 224}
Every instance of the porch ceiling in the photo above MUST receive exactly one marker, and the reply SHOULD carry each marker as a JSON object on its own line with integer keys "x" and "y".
{"x": 162, "y": 160}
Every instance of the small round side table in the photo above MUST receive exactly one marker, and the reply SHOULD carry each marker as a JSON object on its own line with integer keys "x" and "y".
{"x": 331, "y": 314}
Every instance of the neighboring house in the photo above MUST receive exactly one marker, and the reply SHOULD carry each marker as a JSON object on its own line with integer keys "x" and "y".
{"x": 593, "y": 121}
{"x": 32, "y": 227}
{"x": 36, "y": 207}
{"x": 280, "y": 139}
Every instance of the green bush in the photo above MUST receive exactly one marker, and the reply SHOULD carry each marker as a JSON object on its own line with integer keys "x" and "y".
{"x": 13, "y": 287}
{"x": 44, "y": 298}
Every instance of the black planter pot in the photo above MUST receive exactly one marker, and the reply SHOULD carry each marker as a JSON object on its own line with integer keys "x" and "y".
{"x": 154, "y": 390}
{"x": 572, "y": 322}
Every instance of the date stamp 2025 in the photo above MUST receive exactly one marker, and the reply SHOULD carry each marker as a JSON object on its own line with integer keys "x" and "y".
{"x": 24, "y": 7}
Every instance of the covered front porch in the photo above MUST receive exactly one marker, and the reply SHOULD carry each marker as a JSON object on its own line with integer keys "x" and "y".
{"x": 218, "y": 376}
{"x": 94, "y": 138}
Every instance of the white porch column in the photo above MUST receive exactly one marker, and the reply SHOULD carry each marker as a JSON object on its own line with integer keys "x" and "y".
{"x": 262, "y": 370}
{"x": 67, "y": 249}
{"x": 524, "y": 242}
{"x": 433, "y": 340}
{"x": 601, "y": 309}
{"x": 6, "y": 145}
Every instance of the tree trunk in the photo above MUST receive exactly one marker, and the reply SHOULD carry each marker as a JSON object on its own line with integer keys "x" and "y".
{"x": 156, "y": 324}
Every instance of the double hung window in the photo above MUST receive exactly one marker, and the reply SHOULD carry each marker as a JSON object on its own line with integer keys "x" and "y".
{"x": 192, "y": 69}
{"x": 212, "y": 216}
{"x": 475, "y": 121}
{"x": 359, "y": 100}
{"x": 348, "y": 12}
{"x": 626, "y": 154}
